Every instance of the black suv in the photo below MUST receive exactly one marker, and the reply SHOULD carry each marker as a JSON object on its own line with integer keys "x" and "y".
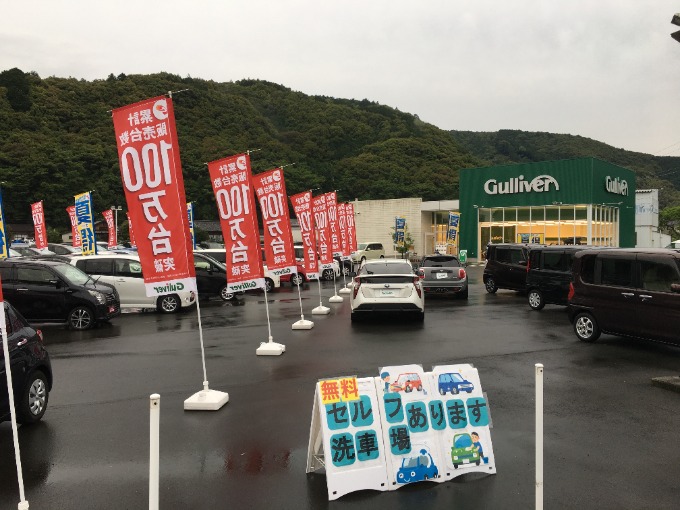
{"x": 626, "y": 291}
{"x": 50, "y": 291}
{"x": 506, "y": 267}
{"x": 211, "y": 277}
{"x": 31, "y": 370}
{"x": 549, "y": 274}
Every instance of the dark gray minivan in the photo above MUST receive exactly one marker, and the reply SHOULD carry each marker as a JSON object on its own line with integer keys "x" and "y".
{"x": 506, "y": 267}
{"x": 626, "y": 291}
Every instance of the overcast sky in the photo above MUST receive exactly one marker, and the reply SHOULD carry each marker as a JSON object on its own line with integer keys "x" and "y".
{"x": 603, "y": 69}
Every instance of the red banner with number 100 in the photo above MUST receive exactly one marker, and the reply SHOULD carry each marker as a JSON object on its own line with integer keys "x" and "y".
{"x": 154, "y": 189}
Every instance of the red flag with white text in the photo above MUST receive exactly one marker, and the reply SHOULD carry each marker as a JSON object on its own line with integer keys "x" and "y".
{"x": 332, "y": 208}
{"x": 131, "y": 232}
{"x": 302, "y": 205}
{"x": 270, "y": 190}
{"x": 231, "y": 180}
{"x": 110, "y": 224}
{"x": 39, "y": 225}
{"x": 75, "y": 235}
{"x": 323, "y": 231}
{"x": 351, "y": 227}
{"x": 150, "y": 167}
{"x": 342, "y": 228}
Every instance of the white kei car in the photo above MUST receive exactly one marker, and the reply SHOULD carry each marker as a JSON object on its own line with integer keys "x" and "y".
{"x": 387, "y": 285}
{"x": 125, "y": 273}
{"x": 220, "y": 255}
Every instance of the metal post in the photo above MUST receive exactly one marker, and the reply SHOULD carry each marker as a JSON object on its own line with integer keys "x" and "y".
{"x": 539, "y": 436}
{"x": 154, "y": 448}
{"x": 115, "y": 209}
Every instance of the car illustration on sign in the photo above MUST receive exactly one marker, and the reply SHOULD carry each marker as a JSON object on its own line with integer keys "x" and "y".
{"x": 418, "y": 468}
{"x": 407, "y": 383}
{"x": 464, "y": 451}
{"x": 454, "y": 383}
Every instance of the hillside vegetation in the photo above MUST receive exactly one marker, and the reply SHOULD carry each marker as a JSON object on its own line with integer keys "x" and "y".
{"x": 57, "y": 140}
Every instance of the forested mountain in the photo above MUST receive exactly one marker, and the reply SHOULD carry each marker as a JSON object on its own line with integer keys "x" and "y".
{"x": 511, "y": 146}
{"x": 57, "y": 140}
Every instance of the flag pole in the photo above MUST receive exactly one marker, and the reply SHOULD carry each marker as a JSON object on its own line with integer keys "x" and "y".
{"x": 269, "y": 348}
{"x": 302, "y": 323}
{"x": 206, "y": 399}
{"x": 320, "y": 310}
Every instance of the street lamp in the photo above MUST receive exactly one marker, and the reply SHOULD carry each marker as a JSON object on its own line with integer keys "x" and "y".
{"x": 115, "y": 209}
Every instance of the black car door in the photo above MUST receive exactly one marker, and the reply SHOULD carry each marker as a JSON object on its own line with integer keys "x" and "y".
{"x": 657, "y": 302}
{"x": 40, "y": 294}
{"x": 15, "y": 354}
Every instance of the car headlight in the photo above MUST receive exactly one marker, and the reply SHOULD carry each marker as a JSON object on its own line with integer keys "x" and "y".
{"x": 455, "y": 457}
{"x": 98, "y": 296}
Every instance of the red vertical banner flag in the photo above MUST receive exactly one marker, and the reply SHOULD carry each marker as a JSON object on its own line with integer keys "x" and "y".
{"x": 302, "y": 205}
{"x": 323, "y": 231}
{"x": 231, "y": 180}
{"x": 342, "y": 227}
{"x": 39, "y": 225}
{"x": 270, "y": 190}
{"x": 75, "y": 235}
{"x": 351, "y": 227}
{"x": 110, "y": 224}
{"x": 131, "y": 232}
{"x": 154, "y": 189}
{"x": 332, "y": 208}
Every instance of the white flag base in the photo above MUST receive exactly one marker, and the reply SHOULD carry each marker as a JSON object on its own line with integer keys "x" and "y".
{"x": 335, "y": 299}
{"x": 23, "y": 505}
{"x": 321, "y": 310}
{"x": 303, "y": 324}
{"x": 206, "y": 400}
{"x": 349, "y": 285}
{"x": 270, "y": 349}
{"x": 344, "y": 290}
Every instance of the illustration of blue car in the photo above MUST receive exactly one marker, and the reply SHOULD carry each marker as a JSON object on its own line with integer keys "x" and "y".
{"x": 417, "y": 469}
{"x": 454, "y": 383}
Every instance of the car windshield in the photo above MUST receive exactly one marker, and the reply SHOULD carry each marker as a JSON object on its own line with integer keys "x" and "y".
{"x": 441, "y": 262}
{"x": 457, "y": 377}
{"x": 378, "y": 268}
{"x": 362, "y": 246}
{"x": 410, "y": 463}
{"x": 72, "y": 274}
{"x": 463, "y": 441}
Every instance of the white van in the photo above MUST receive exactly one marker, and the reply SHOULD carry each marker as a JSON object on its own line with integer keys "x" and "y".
{"x": 368, "y": 251}
{"x": 125, "y": 273}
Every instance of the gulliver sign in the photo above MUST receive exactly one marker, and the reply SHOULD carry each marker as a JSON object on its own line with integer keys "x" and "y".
{"x": 616, "y": 185}
{"x": 538, "y": 184}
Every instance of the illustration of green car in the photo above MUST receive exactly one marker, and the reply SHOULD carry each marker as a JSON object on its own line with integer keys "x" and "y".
{"x": 463, "y": 451}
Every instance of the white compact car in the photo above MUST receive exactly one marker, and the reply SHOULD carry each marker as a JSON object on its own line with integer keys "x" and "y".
{"x": 220, "y": 255}
{"x": 125, "y": 273}
{"x": 387, "y": 285}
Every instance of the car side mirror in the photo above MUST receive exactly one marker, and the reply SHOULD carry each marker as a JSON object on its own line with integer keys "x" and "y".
{"x": 522, "y": 262}
{"x": 56, "y": 283}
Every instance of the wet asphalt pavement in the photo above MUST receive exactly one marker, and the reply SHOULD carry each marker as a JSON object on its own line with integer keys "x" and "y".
{"x": 611, "y": 438}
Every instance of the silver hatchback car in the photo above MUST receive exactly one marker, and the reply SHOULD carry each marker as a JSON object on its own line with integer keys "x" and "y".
{"x": 387, "y": 285}
{"x": 443, "y": 274}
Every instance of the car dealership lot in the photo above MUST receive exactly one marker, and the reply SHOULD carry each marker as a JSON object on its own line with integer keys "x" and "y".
{"x": 610, "y": 436}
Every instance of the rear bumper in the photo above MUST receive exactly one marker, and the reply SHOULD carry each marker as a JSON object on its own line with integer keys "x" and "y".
{"x": 440, "y": 286}
{"x": 387, "y": 307}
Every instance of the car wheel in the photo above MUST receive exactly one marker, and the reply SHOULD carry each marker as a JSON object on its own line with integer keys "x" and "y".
{"x": 169, "y": 303}
{"x": 382, "y": 256}
{"x": 408, "y": 389}
{"x": 420, "y": 387}
{"x": 226, "y": 294}
{"x": 297, "y": 279}
{"x": 454, "y": 391}
{"x": 442, "y": 391}
{"x": 490, "y": 285}
{"x": 455, "y": 466}
{"x": 34, "y": 399}
{"x": 536, "y": 299}
{"x": 269, "y": 284}
{"x": 477, "y": 462}
{"x": 463, "y": 294}
{"x": 586, "y": 327}
{"x": 81, "y": 318}
{"x": 327, "y": 274}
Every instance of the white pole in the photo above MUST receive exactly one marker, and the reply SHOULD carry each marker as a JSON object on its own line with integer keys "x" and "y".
{"x": 154, "y": 448}
{"x": 320, "y": 310}
{"x": 539, "y": 436}
{"x": 269, "y": 348}
{"x": 23, "y": 504}
{"x": 200, "y": 336}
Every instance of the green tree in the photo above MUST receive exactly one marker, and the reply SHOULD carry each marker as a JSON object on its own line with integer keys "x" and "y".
{"x": 403, "y": 247}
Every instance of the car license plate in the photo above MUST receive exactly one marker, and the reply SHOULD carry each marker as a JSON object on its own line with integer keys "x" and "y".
{"x": 387, "y": 293}
{"x": 441, "y": 275}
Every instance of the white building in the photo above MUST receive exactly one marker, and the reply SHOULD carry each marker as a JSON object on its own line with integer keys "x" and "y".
{"x": 647, "y": 233}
